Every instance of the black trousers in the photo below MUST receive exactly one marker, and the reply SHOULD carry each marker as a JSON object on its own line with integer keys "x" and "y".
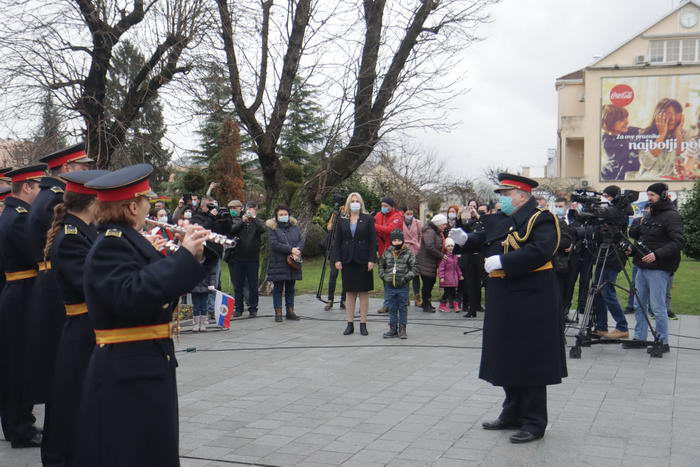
{"x": 526, "y": 406}
{"x": 428, "y": 284}
{"x": 332, "y": 279}
{"x": 473, "y": 277}
{"x": 17, "y": 419}
{"x": 416, "y": 285}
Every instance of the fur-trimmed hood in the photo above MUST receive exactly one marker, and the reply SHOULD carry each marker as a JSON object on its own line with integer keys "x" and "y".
{"x": 272, "y": 223}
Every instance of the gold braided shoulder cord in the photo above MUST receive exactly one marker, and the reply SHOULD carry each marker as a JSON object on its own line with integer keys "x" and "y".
{"x": 513, "y": 240}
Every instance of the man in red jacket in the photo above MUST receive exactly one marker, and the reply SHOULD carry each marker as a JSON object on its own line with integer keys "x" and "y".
{"x": 386, "y": 221}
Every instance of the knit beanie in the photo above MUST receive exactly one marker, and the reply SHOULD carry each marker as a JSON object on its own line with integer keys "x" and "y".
{"x": 658, "y": 188}
{"x": 439, "y": 219}
{"x": 389, "y": 201}
{"x": 613, "y": 191}
{"x": 449, "y": 242}
{"x": 396, "y": 235}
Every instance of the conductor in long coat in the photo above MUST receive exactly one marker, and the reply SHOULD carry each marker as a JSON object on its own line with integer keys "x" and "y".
{"x": 523, "y": 344}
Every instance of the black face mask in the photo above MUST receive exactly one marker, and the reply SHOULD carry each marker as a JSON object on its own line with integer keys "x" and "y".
{"x": 398, "y": 247}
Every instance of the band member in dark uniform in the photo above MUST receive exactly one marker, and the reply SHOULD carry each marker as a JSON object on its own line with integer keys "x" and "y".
{"x": 67, "y": 245}
{"x": 523, "y": 344}
{"x": 4, "y": 193}
{"x": 20, "y": 273}
{"x": 46, "y": 312}
{"x": 129, "y": 414}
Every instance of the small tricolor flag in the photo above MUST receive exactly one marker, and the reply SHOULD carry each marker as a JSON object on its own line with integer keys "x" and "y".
{"x": 224, "y": 309}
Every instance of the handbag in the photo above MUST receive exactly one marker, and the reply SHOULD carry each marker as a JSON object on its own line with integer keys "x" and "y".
{"x": 292, "y": 262}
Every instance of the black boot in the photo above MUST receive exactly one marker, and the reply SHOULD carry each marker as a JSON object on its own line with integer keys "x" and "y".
{"x": 470, "y": 314}
{"x": 329, "y": 305}
{"x": 342, "y": 304}
{"x": 402, "y": 331}
{"x": 349, "y": 329}
{"x": 291, "y": 316}
{"x": 278, "y": 315}
{"x": 392, "y": 332}
{"x": 363, "y": 329}
{"x": 428, "y": 308}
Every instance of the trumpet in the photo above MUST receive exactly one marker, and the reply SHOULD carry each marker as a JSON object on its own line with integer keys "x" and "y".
{"x": 213, "y": 237}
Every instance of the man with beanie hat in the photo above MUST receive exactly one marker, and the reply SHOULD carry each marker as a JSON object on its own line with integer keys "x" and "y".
{"x": 386, "y": 220}
{"x": 397, "y": 268}
{"x": 658, "y": 254}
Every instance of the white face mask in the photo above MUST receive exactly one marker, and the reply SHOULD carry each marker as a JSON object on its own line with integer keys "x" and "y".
{"x": 163, "y": 219}
{"x": 355, "y": 206}
{"x": 188, "y": 215}
{"x": 452, "y": 215}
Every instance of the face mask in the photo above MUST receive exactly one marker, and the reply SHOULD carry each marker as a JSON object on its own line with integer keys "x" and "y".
{"x": 408, "y": 219}
{"x": 163, "y": 219}
{"x": 506, "y": 203}
{"x": 398, "y": 247}
{"x": 233, "y": 212}
{"x": 482, "y": 213}
{"x": 559, "y": 212}
{"x": 195, "y": 203}
{"x": 385, "y": 210}
{"x": 355, "y": 206}
{"x": 283, "y": 219}
{"x": 187, "y": 215}
{"x": 452, "y": 215}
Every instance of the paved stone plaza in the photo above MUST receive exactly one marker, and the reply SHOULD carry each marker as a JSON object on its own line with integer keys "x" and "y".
{"x": 416, "y": 402}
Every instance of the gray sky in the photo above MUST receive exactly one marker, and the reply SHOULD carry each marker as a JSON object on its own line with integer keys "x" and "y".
{"x": 509, "y": 114}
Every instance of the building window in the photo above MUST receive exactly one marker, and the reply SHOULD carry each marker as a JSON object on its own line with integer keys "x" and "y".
{"x": 657, "y": 52}
{"x": 673, "y": 51}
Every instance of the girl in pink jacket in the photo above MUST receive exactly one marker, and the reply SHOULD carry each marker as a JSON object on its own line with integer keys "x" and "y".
{"x": 450, "y": 274}
{"x": 412, "y": 236}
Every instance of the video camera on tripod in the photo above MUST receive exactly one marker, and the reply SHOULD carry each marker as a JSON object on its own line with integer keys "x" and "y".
{"x": 604, "y": 221}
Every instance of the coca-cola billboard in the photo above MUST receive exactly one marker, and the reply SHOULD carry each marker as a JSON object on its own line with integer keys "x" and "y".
{"x": 650, "y": 128}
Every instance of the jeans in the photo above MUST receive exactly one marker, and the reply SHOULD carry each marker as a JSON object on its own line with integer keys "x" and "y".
{"x": 652, "y": 285}
{"x": 242, "y": 273}
{"x": 396, "y": 300}
{"x": 199, "y": 303}
{"x": 212, "y": 297}
{"x": 288, "y": 288}
{"x": 607, "y": 298}
{"x": 668, "y": 295}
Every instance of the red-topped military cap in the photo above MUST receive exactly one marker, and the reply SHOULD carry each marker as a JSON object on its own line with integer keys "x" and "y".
{"x": 75, "y": 181}
{"x": 32, "y": 172}
{"x": 127, "y": 183}
{"x": 4, "y": 193}
{"x": 75, "y": 154}
{"x": 510, "y": 182}
{"x": 4, "y": 171}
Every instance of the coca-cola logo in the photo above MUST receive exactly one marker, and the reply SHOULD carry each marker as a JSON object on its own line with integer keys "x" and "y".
{"x": 621, "y": 95}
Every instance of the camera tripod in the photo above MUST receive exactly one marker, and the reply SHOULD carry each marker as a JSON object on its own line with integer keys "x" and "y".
{"x": 584, "y": 337}
{"x": 327, "y": 257}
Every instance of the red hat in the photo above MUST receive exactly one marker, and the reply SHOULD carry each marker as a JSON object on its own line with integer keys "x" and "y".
{"x": 75, "y": 154}
{"x": 509, "y": 182}
{"x": 32, "y": 172}
{"x": 75, "y": 181}
{"x": 127, "y": 183}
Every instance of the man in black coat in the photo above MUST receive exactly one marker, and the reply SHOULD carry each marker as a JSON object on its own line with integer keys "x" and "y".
{"x": 46, "y": 310}
{"x": 244, "y": 262}
{"x": 208, "y": 217}
{"x": 660, "y": 240}
{"x": 20, "y": 273}
{"x": 523, "y": 344}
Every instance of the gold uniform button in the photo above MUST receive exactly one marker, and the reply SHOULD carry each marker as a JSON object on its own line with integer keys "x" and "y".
{"x": 102, "y": 345}
{"x": 165, "y": 307}
{"x": 167, "y": 357}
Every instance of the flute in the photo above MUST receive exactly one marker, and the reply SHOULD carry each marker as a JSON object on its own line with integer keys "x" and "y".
{"x": 213, "y": 237}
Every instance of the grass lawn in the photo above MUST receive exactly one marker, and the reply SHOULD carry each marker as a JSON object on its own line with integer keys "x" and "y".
{"x": 686, "y": 284}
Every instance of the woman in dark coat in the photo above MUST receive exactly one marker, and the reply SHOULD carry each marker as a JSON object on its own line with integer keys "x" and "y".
{"x": 429, "y": 256}
{"x": 285, "y": 240}
{"x": 354, "y": 254}
{"x": 129, "y": 412}
{"x": 68, "y": 242}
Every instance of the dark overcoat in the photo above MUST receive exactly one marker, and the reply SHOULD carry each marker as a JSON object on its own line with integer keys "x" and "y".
{"x": 14, "y": 298}
{"x": 523, "y": 343}
{"x": 283, "y": 237}
{"x": 46, "y": 311}
{"x": 129, "y": 413}
{"x": 68, "y": 253}
{"x": 360, "y": 248}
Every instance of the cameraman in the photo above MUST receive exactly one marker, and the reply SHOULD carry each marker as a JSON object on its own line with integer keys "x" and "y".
{"x": 658, "y": 255}
{"x": 609, "y": 267}
{"x": 562, "y": 258}
{"x": 208, "y": 217}
{"x": 244, "y": 262}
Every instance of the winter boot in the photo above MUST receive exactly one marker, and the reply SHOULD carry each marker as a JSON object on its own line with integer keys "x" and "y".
{"x": 419, "y": 300}
{"x": 443, "y": 308}
{"x": 329, "y": 305}
{"x": 428, "y": 307}
{"x": 203, "y": 323}
{"x": 278, "y": 315}
{"x": 392, "y": 332}
{"x": 470, "y": 314}
{"x": 456, "y": 307}
{"x": 291, "y": 316}
{"x": 349, "y": 329}
{"x": 363, "y": 329}
{"x": 402, "y": 331}
{"x": 195, "y": 324}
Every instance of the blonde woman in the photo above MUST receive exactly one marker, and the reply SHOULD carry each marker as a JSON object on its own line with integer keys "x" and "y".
{"x": 354, "y": 254}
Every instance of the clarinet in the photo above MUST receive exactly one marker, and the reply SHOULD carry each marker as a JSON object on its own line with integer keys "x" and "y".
{"x": 213, "y": 237}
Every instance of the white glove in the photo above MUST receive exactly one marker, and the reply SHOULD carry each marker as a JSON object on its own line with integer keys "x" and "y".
{"x": 459, "y": 236}
{"x": 492, "y": 263}
{"x": 211, "y": 287}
